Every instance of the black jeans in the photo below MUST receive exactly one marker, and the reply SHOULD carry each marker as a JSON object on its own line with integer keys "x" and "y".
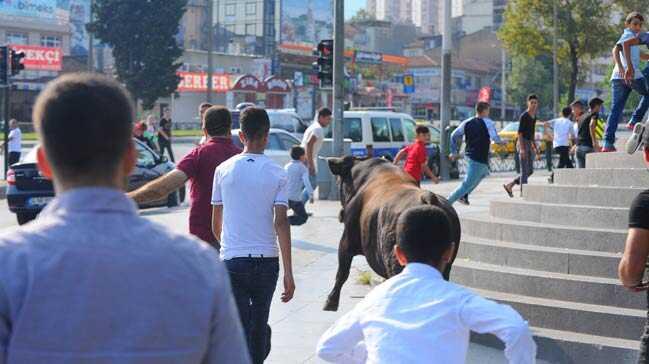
{"x": 253, "y": 285}
{"x": 166, "y": 144}
{"x": 526, "y": 162}
{"x": 548, "y": 155}
{"x": 582, "y": 151}
{"x": 299, "y": 216}
{"x": 14, "y": 157}
{"x": 564, "y": 157}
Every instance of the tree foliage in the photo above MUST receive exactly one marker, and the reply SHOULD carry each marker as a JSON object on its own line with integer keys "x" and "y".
{"x": 142, "y": 36}
{"x": 584, "y": 31}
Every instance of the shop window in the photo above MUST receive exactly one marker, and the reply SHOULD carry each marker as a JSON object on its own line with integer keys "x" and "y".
{"x": 17, "y": 38}
{"x": 50, "y": 41}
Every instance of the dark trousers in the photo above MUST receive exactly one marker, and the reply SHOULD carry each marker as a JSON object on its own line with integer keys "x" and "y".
{"x": 299, "y": 216}
{"x": 582, "y": 151}
{"x": 548, "y": 155}
{"x": 253, "y": 285}
{"x": 564, "y": 157}
{"x": 14, "y": 157}
{"x": 166, "y": 144}
{"x": 526, "y": 161}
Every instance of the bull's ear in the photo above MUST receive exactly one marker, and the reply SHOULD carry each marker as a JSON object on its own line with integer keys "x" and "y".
{"x": 336, "y": 165}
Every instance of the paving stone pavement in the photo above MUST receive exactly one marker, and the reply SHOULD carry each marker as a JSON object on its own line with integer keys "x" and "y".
{"x": 297, "y": 325}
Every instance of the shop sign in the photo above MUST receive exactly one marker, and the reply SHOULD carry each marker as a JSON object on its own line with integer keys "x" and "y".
{"x": 276, "y": 84}
{"x": 40, "y": 58}
{"x": 197, "y": 82}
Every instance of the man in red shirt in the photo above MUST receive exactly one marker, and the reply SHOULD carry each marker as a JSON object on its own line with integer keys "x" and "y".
{"x": 417, "y": 156}
{"x": 198, "y": 167}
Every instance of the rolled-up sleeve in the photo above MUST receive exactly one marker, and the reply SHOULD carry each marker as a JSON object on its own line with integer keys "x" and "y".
{"x": 217, "y": 198}
{"x": 281, "y": 196}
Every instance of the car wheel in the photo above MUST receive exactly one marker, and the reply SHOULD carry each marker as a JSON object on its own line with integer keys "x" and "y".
{"x": 174, "y": 199}
{"x": 183, "y": 193}
{"x": 25, "y": 217}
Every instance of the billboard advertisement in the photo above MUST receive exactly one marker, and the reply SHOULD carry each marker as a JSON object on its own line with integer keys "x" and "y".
{"x": 40, "y": 58}
{"x": 42, "y": 9}
{"x": 79, "y": 17}
{"x": 306, "y": 21}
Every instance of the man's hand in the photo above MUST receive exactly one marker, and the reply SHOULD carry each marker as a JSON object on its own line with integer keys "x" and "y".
{"x": 289, "y": 288}
{"x": 452, "y": 157}
{"x": 629, "y": 75}
{"x": 311, "y": 169}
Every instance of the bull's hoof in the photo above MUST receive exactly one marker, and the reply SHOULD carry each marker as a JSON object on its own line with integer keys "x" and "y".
{"x": 331, "y": 306}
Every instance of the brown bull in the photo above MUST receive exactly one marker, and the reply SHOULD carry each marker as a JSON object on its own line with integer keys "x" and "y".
{"x": 374, "y": 193}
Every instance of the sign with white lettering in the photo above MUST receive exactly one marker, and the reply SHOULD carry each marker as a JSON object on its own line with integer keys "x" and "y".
{"x": 197, "y": 82}
{"x": 275, "y": 84}
{"x": 40, "y": 58}
{"x": 248, "y": 83}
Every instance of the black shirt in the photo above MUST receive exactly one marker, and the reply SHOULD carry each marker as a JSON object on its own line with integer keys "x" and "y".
{"x": 527, "y": 126}
{"x": 583, "y": 133}
{"x": 639, "y": 212}
{"x": 478, "y": 140}
{"x": 165, "y": 125}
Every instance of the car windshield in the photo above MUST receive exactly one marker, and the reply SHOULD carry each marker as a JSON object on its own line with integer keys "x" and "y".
{"x": 511, "y": 127}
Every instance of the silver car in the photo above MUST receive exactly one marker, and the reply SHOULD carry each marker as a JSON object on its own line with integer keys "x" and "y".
{"x": 279, "y": 145}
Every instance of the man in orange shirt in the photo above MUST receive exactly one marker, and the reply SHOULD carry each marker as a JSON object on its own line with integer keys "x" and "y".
{"x": 417, "y": 156}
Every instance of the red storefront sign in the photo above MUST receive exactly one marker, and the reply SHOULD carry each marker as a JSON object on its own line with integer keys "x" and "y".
{"x": 40, "y": 58}
{"x": 248, "y": 83}
{"x": 485, "y": 94}
{"x": 197, "y": 82}
{"x": 275, "y": 84}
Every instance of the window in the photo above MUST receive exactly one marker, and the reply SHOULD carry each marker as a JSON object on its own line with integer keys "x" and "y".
{"x": 144, "y": 156}
{"x": 229, "y": 28}
{"x": 411, "y": 128}
{"x": 50, "y": 41}
{"x": 353, "y": 129}
{"x": 17, "y": 38}
{"x": 273, "y": 142}
{"x": 397, "y": 130}
{"x": 282, "y": 121}
{"x": 380, "y": 130}
{"x": 251, "y": 29}
{"x": 251, "y": 9}
{"x": 230, "y": 10}
{"x": 287, "y": 141}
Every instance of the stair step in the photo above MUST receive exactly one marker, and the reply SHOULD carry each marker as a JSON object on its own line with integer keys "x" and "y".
{"x": 627, "y": 177}
{"x": 561, "y": 236}
{"x": 581, "y": 195}
{"x": 550, "y": 285}
{"x": 560, "y": 214}
{"x": 581, "y": 318}
{"x": 615, "y": 160}
{"x": 552, "y": 259}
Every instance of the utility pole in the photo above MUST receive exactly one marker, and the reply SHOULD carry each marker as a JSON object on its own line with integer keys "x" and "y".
{"x": 445, "y": 105}
{"x": 339, "y": 77}
{"x": 91, "y": 40}
{"x": 210, "y": 49}
{"x": 503, "y": 84}
{"x": 555, "y": 65}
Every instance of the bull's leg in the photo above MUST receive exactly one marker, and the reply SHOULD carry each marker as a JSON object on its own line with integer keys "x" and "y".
{"x": 344, "y": 265}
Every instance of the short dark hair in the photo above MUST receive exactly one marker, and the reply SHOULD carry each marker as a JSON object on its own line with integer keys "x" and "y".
{"x": 424, "y": 234}
{"x": 634, "y": 15}
{"x": 566, "y": 111}
{"x": 254, "y": 123}
{"x": 204, "y": 105}
{"x": 85, "y": 123}
{"x": 481, "y": 107}
{"x": 325, "y": 111}
{"x": 578, "y": 103}
{"x": 532, "y": 97}
{"x": 594, "y": 102}
{"x": 422, "y": 129}
{"x": 297, "y": 152}
{"x": 217, "y": 121}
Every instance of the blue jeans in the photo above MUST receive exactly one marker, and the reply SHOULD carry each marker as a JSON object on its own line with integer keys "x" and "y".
{"x": 253, "y": 285}
{"x": 305, "y": 192}
{"x": 620, "y": 92}
{"x": 475, "y": 172}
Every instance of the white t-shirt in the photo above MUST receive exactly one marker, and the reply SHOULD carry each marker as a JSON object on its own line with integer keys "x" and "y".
{"x": 16, "y": 141}
{"x": 563, "y": 130}
{"x": 318, "y": 131}
{"x": 249, "y": 186}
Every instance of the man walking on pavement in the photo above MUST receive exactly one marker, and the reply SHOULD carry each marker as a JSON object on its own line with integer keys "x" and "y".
{"x": 312, "y": 143}
{"x": 563, "y": 136}
{"x": 526, "y": 146}
{"x": 122, "y": 288}
{"x": 197, "y": 167}
{"x": 15, "y": 139}
{"x": 250, "y": 199}
{"x": 164, "y": 135}
{"x": 479, "y": 131}
{"x": 587, "y": 141}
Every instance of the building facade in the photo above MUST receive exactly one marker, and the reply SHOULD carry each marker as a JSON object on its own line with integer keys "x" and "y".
{"x": 247, "y": 26}
{"x": 474, "y": 15}
{"x": 425, "y": 15}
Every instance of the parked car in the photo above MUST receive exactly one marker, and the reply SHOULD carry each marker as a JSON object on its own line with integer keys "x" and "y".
{"x": 279, "y": 145}
{"x": 509, "y": 134}
{"x": 28, "y": 191}
{"x": 387, "y": 132}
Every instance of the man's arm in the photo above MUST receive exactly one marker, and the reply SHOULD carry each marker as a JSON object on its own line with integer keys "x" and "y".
{"x": 428, "y": 172}
{"x": 615, "y": 52}
{"x": 217, "y": 221}
{"x": 400, "y": 156}
{"x": 307, "y": 184}
{"x": 484, "y": 316}
{"x": 160, "y": 188}
{"x": 634, "y": 260}
{"x": 343, "y": 342}
{"x": 493, "y": 133}
{"x": 310, "y": 145}
{"x": 456, "y": 137}
{"x": 626, "y": 46}
{"x": 283, "y": 229}
{"x": 593, "y": 134}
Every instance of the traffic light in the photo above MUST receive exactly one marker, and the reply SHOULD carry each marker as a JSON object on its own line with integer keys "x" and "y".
{"x": 4, "y": 65}
{"x": 17, "y": 62}
{"x": 325, "y": 63}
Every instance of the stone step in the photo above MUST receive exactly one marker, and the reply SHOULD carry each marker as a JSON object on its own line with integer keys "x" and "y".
{"x": 542, "y": 284}
{"x": 614, "y": 322}
{"x": 628, "y": 177}
{"x": 560, "y": 214}
{"x": 615, "y": 160}
{"x": 582, "y": 195}
{"x": 565, "y": 347}
{"x": 550, "y": 235}
{"x": 558, "y": 260}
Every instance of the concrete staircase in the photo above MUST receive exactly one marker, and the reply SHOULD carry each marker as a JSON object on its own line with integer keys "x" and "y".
{"x": 553, "y": 256}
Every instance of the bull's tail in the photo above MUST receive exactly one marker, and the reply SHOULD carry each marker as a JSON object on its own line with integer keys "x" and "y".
{"x": 429, "y": 198}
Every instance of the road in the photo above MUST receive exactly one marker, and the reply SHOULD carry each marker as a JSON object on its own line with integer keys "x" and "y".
{"x": 297, "y": 325}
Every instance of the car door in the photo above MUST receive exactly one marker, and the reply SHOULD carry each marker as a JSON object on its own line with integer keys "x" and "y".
{"x": 144, "y": 170}
{"x": 398, "y": 135}
{"x": 275, "y": 150}
{"x": 382, "y": 140}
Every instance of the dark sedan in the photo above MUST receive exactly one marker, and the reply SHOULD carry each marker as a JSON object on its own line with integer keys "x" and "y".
{"x": 28, "y": 191}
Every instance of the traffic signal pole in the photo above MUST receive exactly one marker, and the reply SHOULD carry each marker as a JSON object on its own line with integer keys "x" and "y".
{"x": 446, "y": 92}
{"x": 5, "y": 70}
{"x": 339, "y": 77}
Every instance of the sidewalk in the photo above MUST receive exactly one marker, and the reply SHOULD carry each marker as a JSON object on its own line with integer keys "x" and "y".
{"x": 298, "y": 325}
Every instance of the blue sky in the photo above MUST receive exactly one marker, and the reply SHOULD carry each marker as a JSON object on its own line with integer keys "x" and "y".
{"x": 352, "y": 6}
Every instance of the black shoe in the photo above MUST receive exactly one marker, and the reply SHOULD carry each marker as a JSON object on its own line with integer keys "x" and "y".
{"x": 464, "y": 200}
{"x": 551, "y": 178}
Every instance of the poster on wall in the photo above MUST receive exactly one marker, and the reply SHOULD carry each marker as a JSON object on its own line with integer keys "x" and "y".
{"x": 306, "y": 21}
{"x": 79, "y": 17}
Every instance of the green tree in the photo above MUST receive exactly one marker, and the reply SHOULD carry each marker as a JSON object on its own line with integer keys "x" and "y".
{"x": 142, "y": 36}
{"x": 361, "y": 16}
{"x": 584, "y": 31}
{"x": 627, "y": 6}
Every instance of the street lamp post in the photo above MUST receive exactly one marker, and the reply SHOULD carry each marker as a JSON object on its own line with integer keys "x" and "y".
{"x": 338, "y": 77}
{"x": 555, "y": 64}
{"x": 446, "y": 90}
{"x": 210, "y": 49}
{"x": 91, "y": 40}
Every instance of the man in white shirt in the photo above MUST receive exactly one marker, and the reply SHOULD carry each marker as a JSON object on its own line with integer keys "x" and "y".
{"x": 15, "y": 140}
{"x": 417, "y": 315}
{"x": 312, "y": 143}
{"x": 564, "y": 135}
{"x": 249, "y": 215}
